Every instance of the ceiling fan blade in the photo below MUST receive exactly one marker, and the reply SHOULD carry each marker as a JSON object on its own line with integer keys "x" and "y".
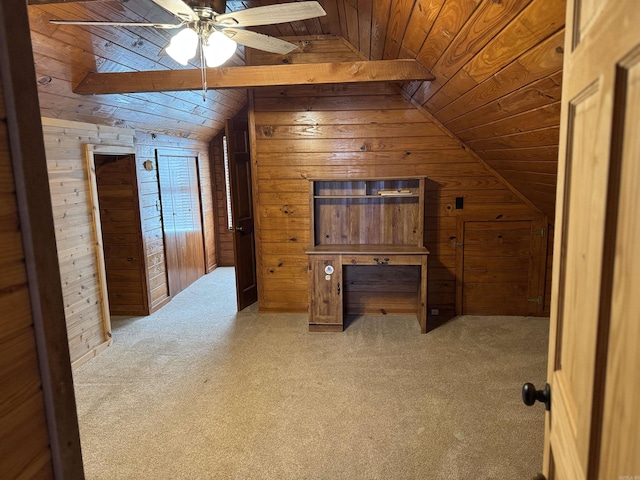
{"x": 179, "y": 9}
{"x": 116, "y": 24}
{"x": 270, "y": 14}
{"x": 259, "y": 41}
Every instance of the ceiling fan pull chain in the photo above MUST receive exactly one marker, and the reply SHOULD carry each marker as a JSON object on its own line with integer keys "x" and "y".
{"x": 204, "y": 71}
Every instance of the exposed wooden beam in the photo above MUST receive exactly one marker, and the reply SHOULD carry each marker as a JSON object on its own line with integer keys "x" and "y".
{"x": 254, "y": 76}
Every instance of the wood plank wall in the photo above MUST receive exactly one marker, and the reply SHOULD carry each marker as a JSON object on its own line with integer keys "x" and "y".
{"x": 24, "y": 437}
{"x": 64, "y": 142}
{"x": 149, "y": 191}
{"x": 75, "y": 235}
{"x": 224, "y": 237}
{"x": 347, "y": 131}
{"x": 498, "y": 69}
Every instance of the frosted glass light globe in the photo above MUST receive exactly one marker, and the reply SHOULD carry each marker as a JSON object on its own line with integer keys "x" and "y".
{"x": 183, "y": 46}
{"x": 218, "y": 48}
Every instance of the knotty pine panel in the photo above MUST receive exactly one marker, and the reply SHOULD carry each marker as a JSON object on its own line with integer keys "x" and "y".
{"x": 491, "y": 60}
{"x": 66, "y": 160}
{"x": 67, "y": 165}
{"x": 284, "y": 160}
{"x": 146, "y": 146}
{"x": 65, "y": 54}
{"x": 24, "y": 439}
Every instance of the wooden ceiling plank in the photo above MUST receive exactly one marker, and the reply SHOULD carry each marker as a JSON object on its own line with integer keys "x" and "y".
{"x": 536, "y": 94}
{"x": 379, "y": 21}
{"x": 73, "y": 54}
{"x": 531, "y": 27}
{"x": 534, "y": 138}
{"x": 66, "y": 74}
{"x": 164, "y": 107}
{"x": 311, "y": 49}
{"x": 548, "y": 153}
{"x": 480, "y": 160}
{"x": 546, "y": 116}
{"x": 453, "y": 15}
{"x": 533, "y": 177}
{"x": 398, "y": 21}
{"x": 343, "y": 19}
{"x": 118, "y": 115}
{"x": 440, "y": 96}
{"x": 351, "y": 16}
{"x": 484, "y": 25}
{"x": 543, "y": 60}
{"x": 365, "y": 10}
{"x": 525, "y": 165}
{"x": 253, "y": 76}
{"x": 331, "y": 21}
{"x": 314, "y": 27}
{"x": 534, "y": 24}
{"x": 451, "y": 18}
{"x": 422, "y": 19}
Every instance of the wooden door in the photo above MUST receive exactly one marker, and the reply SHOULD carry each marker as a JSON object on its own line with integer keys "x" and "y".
{"x": 500, "y": 267}
{"x": 325, "y": 292}
{"x": 117, "y": 190}
{"x": 181, "y": 218}
{"x": 593, "y": 428}
{"x": 244, "y": 244}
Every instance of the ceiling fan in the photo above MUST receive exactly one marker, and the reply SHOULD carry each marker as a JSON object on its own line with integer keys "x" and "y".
{"x": 217, "y": 34}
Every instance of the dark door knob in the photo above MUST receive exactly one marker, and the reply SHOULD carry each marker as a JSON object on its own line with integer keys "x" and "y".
{"x": 530, "y": 395}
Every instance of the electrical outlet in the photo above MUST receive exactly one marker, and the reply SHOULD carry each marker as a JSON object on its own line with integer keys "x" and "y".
{"x": 435, "y": 311}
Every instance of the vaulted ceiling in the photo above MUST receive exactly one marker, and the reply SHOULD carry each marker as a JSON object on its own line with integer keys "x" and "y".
{"x": 497, "y": 66}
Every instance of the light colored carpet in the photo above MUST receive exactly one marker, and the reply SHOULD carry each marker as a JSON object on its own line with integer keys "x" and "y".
{"x": 198, "y": 391}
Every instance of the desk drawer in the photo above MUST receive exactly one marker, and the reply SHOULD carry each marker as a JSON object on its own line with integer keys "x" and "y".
{"x": 373, "y": 259}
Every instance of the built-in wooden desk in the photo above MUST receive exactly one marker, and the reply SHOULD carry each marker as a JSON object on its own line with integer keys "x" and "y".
{"x": 326, "y": 285}
{"x": 366, "y": 236}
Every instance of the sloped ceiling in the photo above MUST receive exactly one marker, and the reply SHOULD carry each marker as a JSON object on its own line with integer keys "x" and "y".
{"x": 497, "y": 67}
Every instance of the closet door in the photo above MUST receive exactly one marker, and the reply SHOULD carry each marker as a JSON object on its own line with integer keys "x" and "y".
{"x": 181, "y": 218}
{"x": 499, "y": 268}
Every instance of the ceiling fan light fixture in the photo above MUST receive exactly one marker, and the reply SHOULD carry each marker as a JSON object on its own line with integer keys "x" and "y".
{"x": 218, "y": 48}
{"x": 183, "y": 46}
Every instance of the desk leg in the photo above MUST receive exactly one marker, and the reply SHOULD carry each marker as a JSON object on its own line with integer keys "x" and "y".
{"x": 422, "y": 296}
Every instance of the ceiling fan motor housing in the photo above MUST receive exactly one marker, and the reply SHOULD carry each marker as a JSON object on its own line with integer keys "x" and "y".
{"x": 218, "y": 6}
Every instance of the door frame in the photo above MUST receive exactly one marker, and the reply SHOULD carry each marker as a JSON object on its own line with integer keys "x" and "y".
{"x": 90, "y": 151}
{"x": 539, "y": 257}
{"x": 243, "y": 300}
